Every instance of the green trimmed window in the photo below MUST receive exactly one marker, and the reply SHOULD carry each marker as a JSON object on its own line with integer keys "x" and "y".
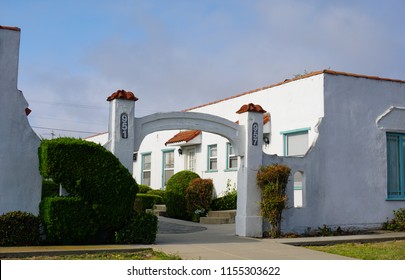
{"x": 212, "y": 158}
{"x": 168, "y": 166}
{"x": 231, "y": 158}
{"x": 146, "y": 169}
{"x": 396, "y": 166}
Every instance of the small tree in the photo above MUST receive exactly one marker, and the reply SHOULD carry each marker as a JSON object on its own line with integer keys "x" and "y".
{"x": 198, "y": 197}
{"x": 272, "y": 180}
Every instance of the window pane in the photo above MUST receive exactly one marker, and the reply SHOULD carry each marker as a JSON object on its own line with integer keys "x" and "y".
{"x": 213, "y": 164}
{"x": 297, "y": 144}
{"x": 213, "y": 151}
{"x": 169, "y": 160}
{"x": 146, "y": 178}
{"x": 168, "y": 174}
{"x": 146, "y": 162}
{"x": 233, "y": 162}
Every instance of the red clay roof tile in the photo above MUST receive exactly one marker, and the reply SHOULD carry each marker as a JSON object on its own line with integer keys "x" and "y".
{"x": 250, "y": 108}
{"x": 10, "y": 28}
{"x": 122, "y": 94}
{"x": 184, "y": 136}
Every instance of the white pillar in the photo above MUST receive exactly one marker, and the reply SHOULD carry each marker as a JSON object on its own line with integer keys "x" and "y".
{"x": 121, "y": 127}
{"x": 249, "y": 221}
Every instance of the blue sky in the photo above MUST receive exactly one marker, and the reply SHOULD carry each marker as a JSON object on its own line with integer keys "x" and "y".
{"x": 177, "y": 54}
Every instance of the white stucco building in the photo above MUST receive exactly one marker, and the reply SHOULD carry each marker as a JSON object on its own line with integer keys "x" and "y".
{"x": 20, "y": 181}
{"x": 341, "y": 133}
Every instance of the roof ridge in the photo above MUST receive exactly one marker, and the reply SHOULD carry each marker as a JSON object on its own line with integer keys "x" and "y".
{"x": 314, "y": 73}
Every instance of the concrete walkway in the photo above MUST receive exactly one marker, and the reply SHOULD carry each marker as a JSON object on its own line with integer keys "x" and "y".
{"x": 213, "y": 242}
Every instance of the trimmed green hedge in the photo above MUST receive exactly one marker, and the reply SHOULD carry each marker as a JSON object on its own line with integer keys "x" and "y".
{"x": 161, "y": 193}
{"x": 176, "y": 194}
{"x": 145, "y": 201}
{"x": 19, "y": 228}
{"x": 49, "y": 189}
{"x": 90, "y": 172}
{"x": 142, "y": 229}
{"x": 67, "y": 220}
{"x": 143, "y": 188}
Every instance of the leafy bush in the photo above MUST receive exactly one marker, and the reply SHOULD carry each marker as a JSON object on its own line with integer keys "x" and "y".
{"x": 142, "y": 229}
{"x": 272, "y": 180}
{"x": 398, "y": 222}
{"x": 67, "y": 220}
{"x": 176, "y": 194}
{"x": 199, "y": 197}
{"x": 161, "y": 193}
{"x": 226, "y": 202}
{"x": 143, "y": 188}
{"x": 145, "y": 201}
{"x": 93, "y": 174}
{"x": 49, "y": 188}
{"x": 19, "y": 228}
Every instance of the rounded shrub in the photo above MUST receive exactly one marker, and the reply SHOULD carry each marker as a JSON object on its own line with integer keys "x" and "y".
{"x": 176, "y": 194}
{"x": 199, "y": 197}
{"x": 141, "y": 229}
{"x": 19, "y": 228}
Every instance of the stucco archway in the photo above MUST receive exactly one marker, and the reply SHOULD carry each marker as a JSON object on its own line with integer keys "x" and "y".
{"x": 187, "y": 120}
{"x": 125, "y": 135}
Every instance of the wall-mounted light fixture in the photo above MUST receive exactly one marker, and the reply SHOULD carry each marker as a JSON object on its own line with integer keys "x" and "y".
{"x": 266, "y": 140}
{"x": 180, "y": 151}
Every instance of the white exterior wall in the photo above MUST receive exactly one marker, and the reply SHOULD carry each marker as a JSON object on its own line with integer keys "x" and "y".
{"x": 293, "y": 105}
{"x": 345, "y": 175}
{"x": 20, "y": 181}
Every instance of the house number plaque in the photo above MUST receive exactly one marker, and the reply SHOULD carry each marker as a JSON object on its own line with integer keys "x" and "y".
{"x": 255, "y": 134}
{"x": 124, "y": 125}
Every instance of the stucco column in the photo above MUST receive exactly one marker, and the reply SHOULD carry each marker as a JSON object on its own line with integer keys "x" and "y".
{"x": 121, "y": 127}
{"x": 248, "y": 221}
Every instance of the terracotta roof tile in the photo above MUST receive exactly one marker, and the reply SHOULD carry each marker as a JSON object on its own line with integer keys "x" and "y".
{"x": 250, "y": 108}
{"x": 122, "y": 94}
{"x": 326, "y": 71}
{"x": 266, "y": 118}
{"x": 10, "y": 28}
{"x": 184, "y": 136}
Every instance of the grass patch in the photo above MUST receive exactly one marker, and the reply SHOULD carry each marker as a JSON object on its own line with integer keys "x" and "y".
{"x": 391, "y": 250}
{"x": 147, "y": 254}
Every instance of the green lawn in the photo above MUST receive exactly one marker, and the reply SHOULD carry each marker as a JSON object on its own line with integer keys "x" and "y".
{"x": 147, "y": 254}
{"x": 391, "y": 250}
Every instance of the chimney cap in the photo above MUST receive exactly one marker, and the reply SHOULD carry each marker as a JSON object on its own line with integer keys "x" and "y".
{"x": 122, "y": 94}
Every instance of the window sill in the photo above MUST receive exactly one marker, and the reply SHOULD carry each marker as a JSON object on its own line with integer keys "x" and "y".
{"x": 230, "y": 170}
{"x": 211, "y": 171}
{"x": 395, "y": 199}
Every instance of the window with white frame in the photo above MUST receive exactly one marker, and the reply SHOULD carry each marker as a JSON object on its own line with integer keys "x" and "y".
{"x": 168, "y": 166}
{"x": 232, "y": 159}
{"x": 296, "y": 142}
{"x": 212, "y": 158}
{"x": 396, "y": 166}
{"x": 146, "y": 169}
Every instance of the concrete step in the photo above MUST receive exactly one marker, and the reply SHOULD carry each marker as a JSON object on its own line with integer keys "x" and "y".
{"x": 219, "y": 217}
{"x": 158, "y": 210}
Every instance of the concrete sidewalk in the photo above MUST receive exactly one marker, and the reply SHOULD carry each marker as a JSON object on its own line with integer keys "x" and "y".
{"x": 213, "y": 242}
